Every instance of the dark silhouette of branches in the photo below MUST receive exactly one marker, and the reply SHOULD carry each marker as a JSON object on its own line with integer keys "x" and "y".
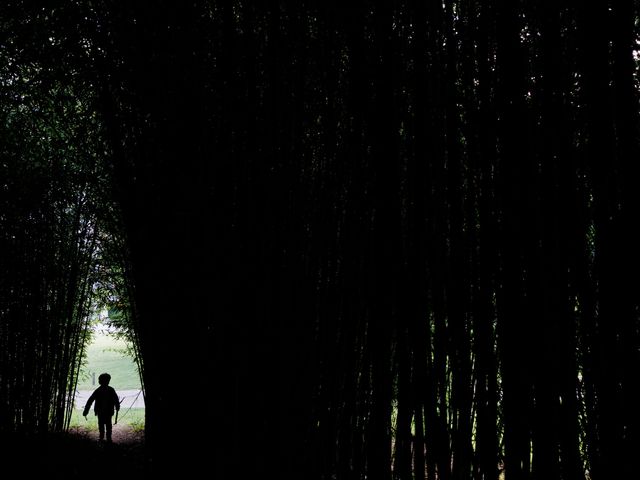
{"x": 398, "y": 238}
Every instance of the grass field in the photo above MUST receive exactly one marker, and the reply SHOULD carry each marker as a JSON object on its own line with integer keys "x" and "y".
{"x": 133, "y": 417}
{"x": 106, "y": 354}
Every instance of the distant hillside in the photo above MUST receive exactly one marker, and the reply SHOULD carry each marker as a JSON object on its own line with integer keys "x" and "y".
{"x": 106, "y": 354}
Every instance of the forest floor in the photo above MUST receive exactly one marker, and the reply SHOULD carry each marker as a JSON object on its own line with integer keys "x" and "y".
{"x": 77, "y": 455}
{"x": 122, "y": 434}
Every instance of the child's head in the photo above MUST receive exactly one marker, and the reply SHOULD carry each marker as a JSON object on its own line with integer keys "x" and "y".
{"x": 104, "y": 379}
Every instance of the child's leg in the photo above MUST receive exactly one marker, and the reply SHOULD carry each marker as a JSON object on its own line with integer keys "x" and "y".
{"x": 107, "y": 422}
{"x": 101, "y": 426}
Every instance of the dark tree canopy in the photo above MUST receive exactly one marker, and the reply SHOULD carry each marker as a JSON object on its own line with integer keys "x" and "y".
{"x": 399, "y": 238}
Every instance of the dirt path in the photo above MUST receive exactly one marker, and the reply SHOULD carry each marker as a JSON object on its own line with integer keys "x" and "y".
{"x": 122, "y": 434}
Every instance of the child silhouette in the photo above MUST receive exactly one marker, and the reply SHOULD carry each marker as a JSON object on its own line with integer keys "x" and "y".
{"x": 106, "y": 401}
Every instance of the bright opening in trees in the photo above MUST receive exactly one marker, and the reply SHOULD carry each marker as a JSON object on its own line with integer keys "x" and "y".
{"x": 109, "y": 351}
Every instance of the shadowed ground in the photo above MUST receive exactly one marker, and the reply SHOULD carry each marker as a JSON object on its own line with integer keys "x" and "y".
{"x": 76, "y": 455}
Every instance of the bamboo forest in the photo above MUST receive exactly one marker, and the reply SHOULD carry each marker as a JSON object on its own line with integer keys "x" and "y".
{"x": 347, "y": 240}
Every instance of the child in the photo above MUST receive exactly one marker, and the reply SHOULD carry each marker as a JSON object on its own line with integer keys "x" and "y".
{"x": 106, "y": 401}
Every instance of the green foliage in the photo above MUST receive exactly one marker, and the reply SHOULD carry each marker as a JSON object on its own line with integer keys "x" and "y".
{"x": 52, "y": 196}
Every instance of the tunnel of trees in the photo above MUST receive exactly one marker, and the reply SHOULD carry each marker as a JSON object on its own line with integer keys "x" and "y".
{"x": 382, "y": 239}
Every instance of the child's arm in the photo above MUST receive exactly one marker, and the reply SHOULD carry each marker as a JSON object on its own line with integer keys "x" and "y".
{"x": 116, "y": 400}
{"x": 87, "y": 407}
